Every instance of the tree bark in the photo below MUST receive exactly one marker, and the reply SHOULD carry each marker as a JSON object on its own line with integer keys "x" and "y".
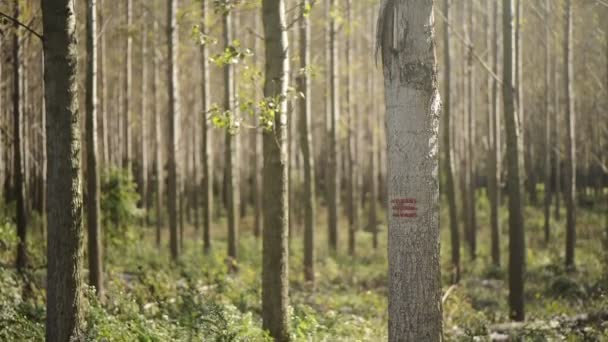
{"x": 18, "y": 157}
{"x": 144, "y": 120}
{"x": 232, "y": 148}
{"x": 514, "y": 163}
{"x": 64, "y": 319}
{"x": 494, "y": 132}
{"x": 406, "y": 40}
{"x": 93, "y": 210}
{"x": 449, "y": 152}
{"x": 373, "y": 129}
{"x": 548, "y": 113}
{"x": 207, "y": 157}
{"x": 570, "y": 140}
{"x": 334, "y": 170}
{"x": 158, "y": 140}
{"x": 275, "y": 280}
{"x": 471, "y": 183}
{"x": 353, "y": 163}
{"x": 304, "y": 87}
{"x": 128, "y": 80}
{"x": 174, "y": 123}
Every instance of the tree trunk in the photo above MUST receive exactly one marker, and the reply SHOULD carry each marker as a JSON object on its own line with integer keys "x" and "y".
{"x": 207, "y": 157}
{"x": 334, "y": 170}
{"x": 517, "y": 256}
{"x": 373, "y": 128}
{"x": 353, "y": 163}
{"x": 232, "y": 148}
{"x": 275, "y": 280}
{"x": 557, "y": 140}
{"x": 64, "y": 319}
{"x": 570, "y": 140}
{"x": 413, "y": 107}
{"x": 304, "y": 87}
{"x": 144, "y": 120}
{"x": 93, "y": 213}
{"x": 471, "y": 183}
{"x": 449, "y": 152}
{"x": 174, "y": 123}
{"x": 19, "y": 185}
{"x": 494, "y": 132}
{"x": 548, "y": 147}
{"x": 103, "y": 104}
{"x": 127, "y": 88}
{"x": 158, "y": 140}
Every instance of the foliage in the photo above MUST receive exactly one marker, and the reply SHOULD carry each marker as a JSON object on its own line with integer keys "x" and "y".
{"x": 119, "y": 199}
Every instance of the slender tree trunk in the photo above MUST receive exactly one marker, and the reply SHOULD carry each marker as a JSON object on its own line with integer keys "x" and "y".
{"x": 548, "y": 147}
{"x": 304, "y": 87}
{"x": 570, "y": 140}
{"x": 144, "y": 120}
{"x": 207, "y": 156}
{"x": 334, "y": 170}
{"x": 494, "y": 129}
{"x": 103, "y": 104}
{"x": 413, "y": 106}
{"x": 373, "y": 168}
{"x": 158, "y": 140}
{"x": 174, "y": 123}
{"x": 449, "y": 152}
{"x": 128, "y": 80}
{"x": 557, "y": 141}
{"x": 471, "y": 183}
{"x": 65, "y": 318}
{"x": 19, "y": 185}
{"x": 231, "y": 155}
{"x": 353, "y": 163}
{"x": 275, "y": 280}
{"x": 93, "y": 217}
{"x": 517, "y": 256}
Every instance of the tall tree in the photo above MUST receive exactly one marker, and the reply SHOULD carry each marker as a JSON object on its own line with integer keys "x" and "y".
{"x": 128, "y": 80}
{"x": 406, "y": 41}
{"x": 471, "y": 117}
{"x": 548, "y": 129}
{"x": 64, "y": 319}
{"x": 174, "y": 123}
{"x": 373, "y": 127}
{"x": 334, "y": 170}
{"x": 304, "y": 87}
{"x": 352, "y": 117}
{"x": 449, "y": 152}
{"x": 494, "y": 134}
{"x": 19, "y": 185}
{"x": 514, "y": 168}
{"x": 93, "y": 210}
{"x": 570, "y": 139}
{"x": 232, "y": 147}
{"x": 144, "y": 118}
{"x": 206, "y": 157}
{"x": 275, "y": 280}
{"x": 158, "y": 139}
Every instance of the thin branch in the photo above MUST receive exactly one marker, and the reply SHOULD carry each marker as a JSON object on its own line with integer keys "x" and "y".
{"x": 470, "y": 46}
{"x": 22, "y": 25}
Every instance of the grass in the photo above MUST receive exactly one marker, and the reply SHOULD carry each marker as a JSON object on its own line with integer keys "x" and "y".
{"x": 151, "y": 299}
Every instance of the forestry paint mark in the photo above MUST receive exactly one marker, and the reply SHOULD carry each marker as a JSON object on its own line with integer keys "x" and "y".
{"x": 404, "y": 208}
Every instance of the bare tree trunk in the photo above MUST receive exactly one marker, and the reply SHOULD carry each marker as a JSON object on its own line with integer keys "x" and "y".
{"x": 413, "y": 106}
{"x": 517, "y": 256}
{"x": 127, "y": 89}
{"x": 494, "y": 132}
{"x": 174, "y": 123}
{"x": 373, "y": 168}
{"x": 353, "y": 163}
{"x": 570, "y": 140}
{"x": 548, "y": 147}
{"x": 304, "y": 87}
{"x": 207, "y": 157}
{"x": 64, "y": 319}
{"x": 144, "y": 120}
{"x": 158, "y": 140}
{"x": 103, "y": 108}
{"x": 557, "y": 141}
{"x": 275, "y": 280}
{"x": 449, "y": 152}
{"x": 334, "y": 170}
{"x": 93, "y": 217}
{"x": 471, "y": 183}
{"x": 231, "y": 153}
{"x": 19, "y": 185}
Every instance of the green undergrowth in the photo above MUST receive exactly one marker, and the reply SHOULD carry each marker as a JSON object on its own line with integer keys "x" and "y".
{"x": 197, "y": 298}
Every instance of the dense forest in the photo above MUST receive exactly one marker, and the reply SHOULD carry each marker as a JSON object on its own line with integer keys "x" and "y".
{"x": 303, "y": 170}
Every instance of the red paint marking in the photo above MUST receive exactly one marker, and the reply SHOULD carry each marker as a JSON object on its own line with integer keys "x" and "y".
{"x": 404, "y": 207}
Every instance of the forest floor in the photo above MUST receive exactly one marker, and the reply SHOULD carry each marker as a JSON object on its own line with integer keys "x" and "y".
{"x": 148, "y": 298}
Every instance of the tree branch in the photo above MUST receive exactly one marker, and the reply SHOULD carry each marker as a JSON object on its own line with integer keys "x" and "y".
{"x": 22, "y": 25}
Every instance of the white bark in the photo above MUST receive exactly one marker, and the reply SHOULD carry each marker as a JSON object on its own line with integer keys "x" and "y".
{"x": 406, "y": 40}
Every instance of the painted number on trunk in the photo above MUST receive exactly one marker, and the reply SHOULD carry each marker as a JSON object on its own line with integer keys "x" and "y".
{"x": 404, "y": 207}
